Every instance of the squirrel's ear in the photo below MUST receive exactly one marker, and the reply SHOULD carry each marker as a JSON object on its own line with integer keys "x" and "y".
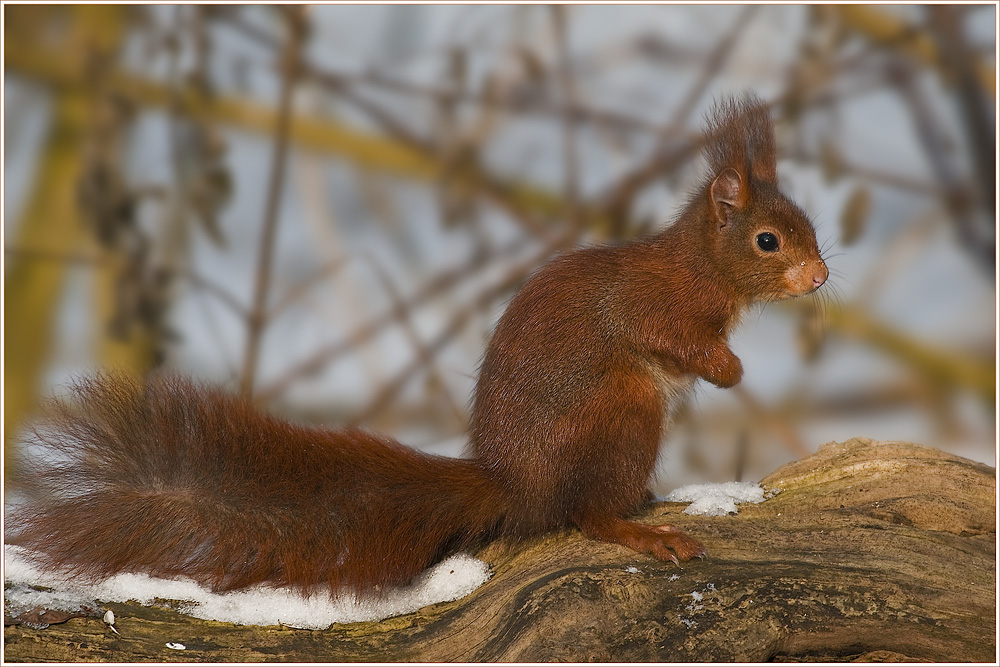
{"x": 728, "y": 192}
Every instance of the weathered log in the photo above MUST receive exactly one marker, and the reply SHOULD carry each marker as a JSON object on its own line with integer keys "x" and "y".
{"x": 873, "y": 550}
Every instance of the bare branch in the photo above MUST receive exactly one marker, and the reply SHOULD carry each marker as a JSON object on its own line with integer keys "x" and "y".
{"x": 257, "y": 318}
{"x": 564, "y": 73}
{"x": 440, "y": 283}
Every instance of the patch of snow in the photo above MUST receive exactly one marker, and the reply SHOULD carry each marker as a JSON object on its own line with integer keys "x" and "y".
{"x": 449, "y": 580}
{"x": 718, "y": 499}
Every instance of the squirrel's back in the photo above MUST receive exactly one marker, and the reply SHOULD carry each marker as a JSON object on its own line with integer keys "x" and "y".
{"x": 172, "y": 478}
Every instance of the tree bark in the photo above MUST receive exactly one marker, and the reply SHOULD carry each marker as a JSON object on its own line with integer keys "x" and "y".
{"x": 872, "y": 550}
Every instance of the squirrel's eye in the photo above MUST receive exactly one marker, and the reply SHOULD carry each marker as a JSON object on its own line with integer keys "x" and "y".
{"x": 767, "y": 242}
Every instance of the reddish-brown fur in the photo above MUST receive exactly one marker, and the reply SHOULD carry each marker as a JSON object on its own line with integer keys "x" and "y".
{"x": 174, "y": 478}
{"x": 574, "y": 394}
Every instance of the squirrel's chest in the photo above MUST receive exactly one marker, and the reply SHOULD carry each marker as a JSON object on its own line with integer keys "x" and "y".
{"x": 673, "y": 388}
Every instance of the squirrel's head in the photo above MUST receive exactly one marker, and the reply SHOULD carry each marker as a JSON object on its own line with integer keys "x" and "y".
{"x": 765, "y": 241}
{"x": 761, "y": 240}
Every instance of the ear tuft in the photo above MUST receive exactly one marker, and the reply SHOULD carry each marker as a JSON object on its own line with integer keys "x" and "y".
{"x": 728, "y": 192}
{"x": 741, "y": 135}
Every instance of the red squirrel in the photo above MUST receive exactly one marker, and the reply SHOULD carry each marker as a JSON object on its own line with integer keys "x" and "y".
{"x": 171, "y": 478}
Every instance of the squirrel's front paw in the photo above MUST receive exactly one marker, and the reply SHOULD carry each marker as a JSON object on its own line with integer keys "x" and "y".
{"x": 723, "y": 368}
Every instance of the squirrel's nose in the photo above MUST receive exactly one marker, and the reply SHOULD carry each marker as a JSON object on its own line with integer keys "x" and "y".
{"x": 820, "y": 274}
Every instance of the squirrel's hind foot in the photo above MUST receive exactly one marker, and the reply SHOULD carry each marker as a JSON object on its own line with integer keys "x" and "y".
{"x": 664, "y": 542}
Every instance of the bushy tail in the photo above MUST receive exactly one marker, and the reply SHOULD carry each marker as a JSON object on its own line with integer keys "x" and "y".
{"x": 169, "y": 478}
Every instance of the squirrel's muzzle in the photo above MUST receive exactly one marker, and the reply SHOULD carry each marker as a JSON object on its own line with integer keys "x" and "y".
{"x": 806, "y": 277}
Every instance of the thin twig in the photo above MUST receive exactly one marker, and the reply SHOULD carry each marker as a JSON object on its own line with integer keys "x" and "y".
{"x": 298, "y": 290}
{"x": 497, "y": 192}
{"x": 510, "y": 281}
{"x": 779, "y": 426}
{"x": 669, "y": 156}
{"x": 220, "y": 292}
{"x": 867, "y": 174}
{"x": 571, "y": 163}
{"x": 92, "y": 260}
{"x": 680, "y": 149}
{"x": 425, "y": 353}
{"x": 338, "y": 80}
{"x": 959, "y": 195}
{"x": 978, "y": 123}
{"x": 256, "y": 321}
{"x": 329, "y": 353}
{"x": 711, "y": 69}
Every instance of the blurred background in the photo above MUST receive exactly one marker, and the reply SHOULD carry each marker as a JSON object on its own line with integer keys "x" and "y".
{"x": 328, "y": 207}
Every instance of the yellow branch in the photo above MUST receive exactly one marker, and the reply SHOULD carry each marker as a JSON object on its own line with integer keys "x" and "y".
{"x": 317, "y": 134}
{"x": 50, "y": 220}
{"x": 32, "y": 288}
{"x": 943, "y": 368}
